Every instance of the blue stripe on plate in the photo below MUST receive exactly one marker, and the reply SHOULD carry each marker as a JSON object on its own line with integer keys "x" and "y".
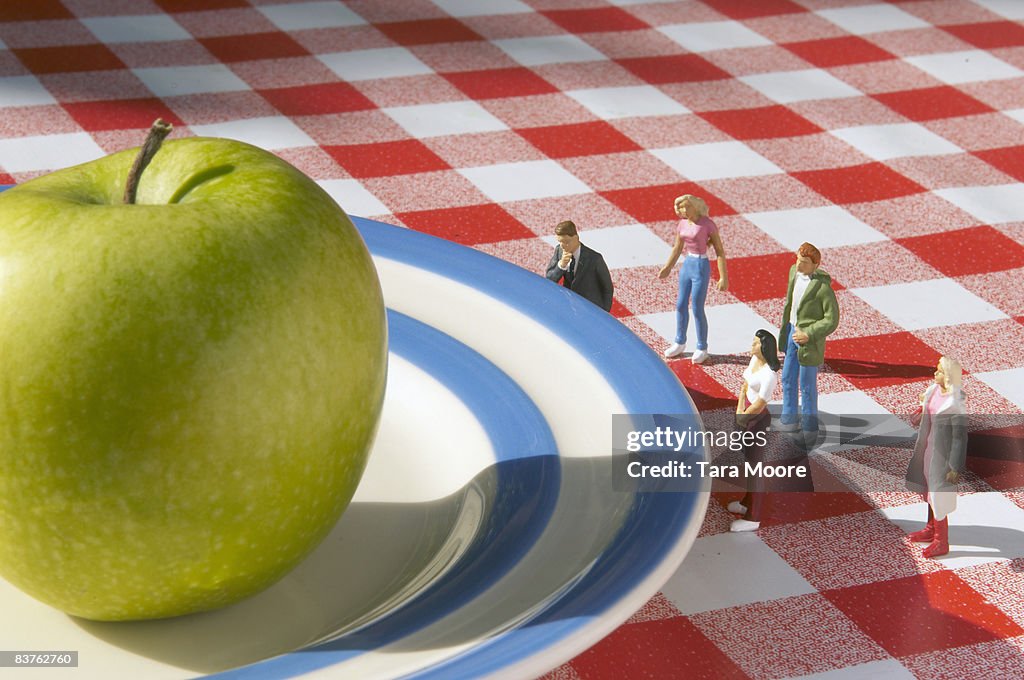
{"x": 657, "y": 521}
{"x": 528, "y": 479}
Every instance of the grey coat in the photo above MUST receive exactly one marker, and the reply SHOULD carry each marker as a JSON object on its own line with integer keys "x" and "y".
{"x": 592, "y": 279}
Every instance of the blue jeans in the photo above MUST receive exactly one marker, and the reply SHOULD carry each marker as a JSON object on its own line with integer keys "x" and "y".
{"x": 793, "y": 374}
{"x": 694, "y": 276}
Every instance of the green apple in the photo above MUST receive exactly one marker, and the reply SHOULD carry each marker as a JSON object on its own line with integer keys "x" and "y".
{"x": 189, "y": 385}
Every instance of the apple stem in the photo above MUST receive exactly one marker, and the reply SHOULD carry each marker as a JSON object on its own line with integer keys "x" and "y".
{"x": 154, "y": 139}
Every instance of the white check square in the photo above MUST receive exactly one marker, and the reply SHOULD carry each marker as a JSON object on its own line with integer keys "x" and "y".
{"x": 132, "y": 29}
{"x": 610, "y": 103}
{"x": 716, "y": 160}
{"x": 274, "y": 132}
{"x": 24, "y": 91}
{"x": 730, "y": 570}
{"x": 172, "y": 81}
{"x": 786, "y": 87}
{"x": 383, "y": 62}
{"x": 872, "y": 19}
{"x": 303, "y": 15}
{"x": 524, "y": 181}
{"x": 48, "y": 152}
{"x": 445, "y": 118}
{"x": 480, "y": 8}
{"x": 969, "y": 66}
{"x": 990, "y": 204}
{"x": 633, "y": 245}
{"x": 900, "y": 140}
{"x": 554, "y": 49}
{"x": 714, "y": 35}
{"x": 353, "y": 197}
{"x": 1009, "y": 383}
{"x": 826, "y": 227}
{"x": 928, "y": 304}
{"x": 730, "y": 327}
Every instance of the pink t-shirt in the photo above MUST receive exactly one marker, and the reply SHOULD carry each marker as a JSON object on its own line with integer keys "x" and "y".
{"x": 695, "y": 235}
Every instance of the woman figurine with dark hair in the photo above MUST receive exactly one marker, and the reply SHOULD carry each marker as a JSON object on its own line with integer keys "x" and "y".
{"x": 752, "y": 416}
{"x": 939, "y": 454}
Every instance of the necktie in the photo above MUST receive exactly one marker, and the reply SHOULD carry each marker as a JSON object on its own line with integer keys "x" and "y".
{"x": 569, "y": 273}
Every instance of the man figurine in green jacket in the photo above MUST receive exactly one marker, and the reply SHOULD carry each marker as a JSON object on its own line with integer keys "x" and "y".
{"x": 810, "y": 315}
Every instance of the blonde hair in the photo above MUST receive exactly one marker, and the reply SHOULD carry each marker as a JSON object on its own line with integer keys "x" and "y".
{"x": 696, "y": 201}
{"x": 953, "y": 371}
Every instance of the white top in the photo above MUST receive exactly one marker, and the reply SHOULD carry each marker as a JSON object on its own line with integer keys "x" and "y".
{"x": 760, "y": 383}
{"x": 799, "y": 288}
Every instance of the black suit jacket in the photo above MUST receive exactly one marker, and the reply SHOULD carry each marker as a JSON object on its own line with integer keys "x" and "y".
{"x": 591, "y": 280}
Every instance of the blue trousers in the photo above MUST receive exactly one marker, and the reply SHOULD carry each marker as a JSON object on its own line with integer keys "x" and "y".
{"x": 799, "y": 388}
{"x": 694, "y": 275}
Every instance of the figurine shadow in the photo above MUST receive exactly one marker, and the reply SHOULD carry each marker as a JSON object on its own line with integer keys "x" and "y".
{"x": 973, "y": 540}
{"x": 391, "y": 569}
{"x": 854, "y": 368}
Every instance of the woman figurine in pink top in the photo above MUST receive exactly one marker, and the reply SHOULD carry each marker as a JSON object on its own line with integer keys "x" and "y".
{"x": 695, "y": 232}
{"x": 939, "y": 454}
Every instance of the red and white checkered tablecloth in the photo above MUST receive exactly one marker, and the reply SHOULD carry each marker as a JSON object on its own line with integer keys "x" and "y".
{"x": 890, "y": 134}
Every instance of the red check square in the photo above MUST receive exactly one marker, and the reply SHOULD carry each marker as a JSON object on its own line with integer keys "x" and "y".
{"x": 832, "y": 52}
{"x": 989, "y": 35}
{"x": 707, "y": 393}
{"x": 316, "y": 100}
{"x": 767, "y": 122}
{"x": 69, "y": 59}
{"x": 468, "y": 225}
{"x": 385, "y": 159}
{"x": 654, "y": 204}
{"x": 497, "y": 83}
{"x": 232, "y": 48}
{"x": 199, "y": 5}
{"x": 859, "y": 183}
{"x": 428, "y": 31}
{"x": 6, "y": 179}
{"x": 932, "y": 103}
{"x": 582, "y": 139}
{"x": 923, "y": 613}
{"x": 997, "y": 456}
{"x": 764, "y": 277}
{"x": 1010, "y": 160}
{"x": 978, "y": 250}
{"x": 744, "y": 9}
{"x": 676, "y": 68}
{"x": 881, "y": 360}
{"x": 38, "y": 10}
{"x": 121, "y": 114}
{"x": 661, "y": 649}
{"x": 602, "y": 20}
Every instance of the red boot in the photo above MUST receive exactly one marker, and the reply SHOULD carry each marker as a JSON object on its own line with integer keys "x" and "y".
{"x": 928, "y": 533}
{"x": 940, "y": 545}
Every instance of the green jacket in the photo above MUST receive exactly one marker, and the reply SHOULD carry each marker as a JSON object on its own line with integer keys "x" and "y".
{"x": 817, "y": 315}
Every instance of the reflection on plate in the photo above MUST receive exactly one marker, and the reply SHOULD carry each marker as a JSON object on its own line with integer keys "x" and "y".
{"x": 485, "y": 537}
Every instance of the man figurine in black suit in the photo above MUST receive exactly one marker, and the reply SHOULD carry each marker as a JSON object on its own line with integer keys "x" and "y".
{"x": 579, "y": 268}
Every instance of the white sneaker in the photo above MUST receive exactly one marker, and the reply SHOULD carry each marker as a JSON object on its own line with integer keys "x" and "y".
{"x": 744, "y": 525}
{"x": 736, "y": 508}
{"x": 674, "y": 350}
{"x": 699, "y": 357}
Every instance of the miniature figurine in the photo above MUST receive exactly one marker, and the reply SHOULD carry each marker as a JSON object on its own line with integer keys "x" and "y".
{"x": 580, "y": 268}
{"x": 752, "y": 416}
{"x": 695, "y": 232}
{"x": 810, "y": 315}
{"x": 939, "y": 454}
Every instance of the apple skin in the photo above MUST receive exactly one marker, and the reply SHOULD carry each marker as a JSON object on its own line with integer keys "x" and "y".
{"x": 189, "y": 386}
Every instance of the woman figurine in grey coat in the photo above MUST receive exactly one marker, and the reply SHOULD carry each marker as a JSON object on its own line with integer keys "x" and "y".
{"x": 939, "y": 454}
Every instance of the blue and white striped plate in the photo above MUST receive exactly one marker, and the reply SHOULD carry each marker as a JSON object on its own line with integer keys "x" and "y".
{"x": 485, "y": 538}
